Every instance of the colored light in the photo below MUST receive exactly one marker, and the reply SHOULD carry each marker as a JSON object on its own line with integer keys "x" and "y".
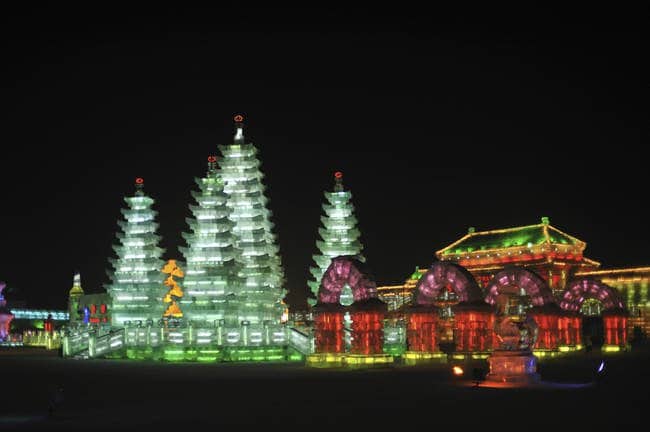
{"x": 458, "y": 371}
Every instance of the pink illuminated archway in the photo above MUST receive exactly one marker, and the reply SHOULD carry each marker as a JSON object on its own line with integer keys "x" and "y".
{"x": 442, "y": 274}
{"x": 513, "y": 278}
{"x": 581, "y": 289}
{"x": 346, "y": 270}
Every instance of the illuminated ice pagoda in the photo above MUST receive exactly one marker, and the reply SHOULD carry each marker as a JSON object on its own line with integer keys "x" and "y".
{"x": 211, "y": 279}
{"x": 259, "y": 297}
{"x": 136, "y": 286}
{"x": 339, "y": 234}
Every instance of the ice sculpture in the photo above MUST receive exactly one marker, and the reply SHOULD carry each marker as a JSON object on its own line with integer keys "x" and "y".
{"x": 259, "y": 296}
{"x": 340, "y": 236}
{"x": 210, "y": 255}
{"x": 136, "y": 281}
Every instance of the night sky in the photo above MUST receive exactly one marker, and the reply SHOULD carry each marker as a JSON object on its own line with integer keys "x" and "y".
{"x": 439, "y": 121}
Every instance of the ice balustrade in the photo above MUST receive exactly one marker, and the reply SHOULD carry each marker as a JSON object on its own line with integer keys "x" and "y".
{"x": 42, "y": 338}
{"x": 99, "y": 342}
{"x": 301, "y": 341}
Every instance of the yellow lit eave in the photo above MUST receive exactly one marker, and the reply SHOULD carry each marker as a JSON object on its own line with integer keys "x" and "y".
{"x": 512, "y": 251}
{"x": 390, "y": 287}
{"x": 590, "y": 262}
{"x": 477, "y": 269}
{"x": 579, "y": 242}
{"x": 615, "y": 271}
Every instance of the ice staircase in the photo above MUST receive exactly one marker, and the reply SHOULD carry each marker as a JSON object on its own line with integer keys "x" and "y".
{"x": 301, "y": 340}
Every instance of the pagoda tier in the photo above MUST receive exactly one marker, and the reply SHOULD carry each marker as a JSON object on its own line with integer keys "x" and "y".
{"x": 339, "y": 235}
{"x": 259, "y": 296}
{"x": 136, "y": 286}
{"x": 210, "y": 255}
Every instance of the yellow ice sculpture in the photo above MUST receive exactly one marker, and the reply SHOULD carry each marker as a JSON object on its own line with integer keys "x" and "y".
{"x": 175, "y": 292}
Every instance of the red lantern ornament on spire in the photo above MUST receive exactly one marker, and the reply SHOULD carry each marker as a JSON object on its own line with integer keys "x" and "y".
{"x": 212, "y": 164}
{"x": 139, "y": 185}
{"x": 239, "y": 129}
{"x": 338, "y": 181}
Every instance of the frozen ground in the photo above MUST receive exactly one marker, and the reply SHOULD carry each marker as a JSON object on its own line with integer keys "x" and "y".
{"x": 131, "y": 395}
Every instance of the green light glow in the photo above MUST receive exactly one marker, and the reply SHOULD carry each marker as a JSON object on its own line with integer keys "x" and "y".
{"x": 511, "y": 237}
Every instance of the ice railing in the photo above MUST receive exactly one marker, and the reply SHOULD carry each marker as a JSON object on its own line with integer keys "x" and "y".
{"x": 153, "y": 335}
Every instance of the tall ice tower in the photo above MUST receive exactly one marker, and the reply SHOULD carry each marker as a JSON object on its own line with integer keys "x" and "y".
{"x": 260, "y": 294}
{"x": 340, "y": 236}
{"x": 136, "y": 288}
{"x": 211, "y": 274}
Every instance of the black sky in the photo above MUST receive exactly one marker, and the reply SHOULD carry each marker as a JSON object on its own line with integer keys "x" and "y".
{"x": 439, "y": 120}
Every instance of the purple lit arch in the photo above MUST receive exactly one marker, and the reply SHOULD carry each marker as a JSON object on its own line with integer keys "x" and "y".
{"x": 441, "y": 274}
{"x": 346, "y": 270}
{"x": 510, "y": 279}
{"x": 581, "y": 289}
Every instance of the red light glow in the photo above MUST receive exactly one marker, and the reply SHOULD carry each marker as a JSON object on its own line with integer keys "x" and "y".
{"x": 139, "y": 180}
{"x": 338, "y": 175}
{"x": 239, "y": 118}
{"x": 212, "y": 159}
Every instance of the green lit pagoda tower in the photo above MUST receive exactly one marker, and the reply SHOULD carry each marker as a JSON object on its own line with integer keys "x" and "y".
{"x": 260, "y": 295}
{"x": 211, "y": 272}
{"x": 136, "y": 288}
{"x": 339, "y": 234}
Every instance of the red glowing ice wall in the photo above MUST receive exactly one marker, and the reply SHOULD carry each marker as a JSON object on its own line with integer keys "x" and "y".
{"x": 615, "y": 324}
{"x": 367, "y": 332}
{"x": 570, "y": 328}
{"x": 474, "y": 329}
{"x": 328, "y": 329}
{"x": 548, "y": 331}
{"x": 421, "y": 331}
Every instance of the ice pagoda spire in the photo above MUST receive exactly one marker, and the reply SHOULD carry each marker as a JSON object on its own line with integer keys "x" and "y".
{"x": 139, "y": 186}
{"x": 212, "y": 165}
{"x": 239, "y": 129}
{"x": 338, "y": 181}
